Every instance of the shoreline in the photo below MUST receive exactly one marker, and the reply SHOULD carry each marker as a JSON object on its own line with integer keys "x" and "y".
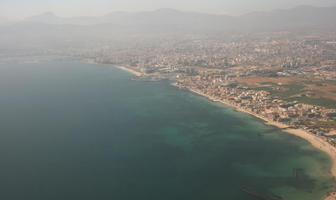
{"x": 128, "y": 70}
{"x": 132, "y": 71}
{"x": 317, "y": 142}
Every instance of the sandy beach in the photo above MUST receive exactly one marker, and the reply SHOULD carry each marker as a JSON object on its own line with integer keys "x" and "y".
{"x": 317, "y": 142}
{"x": 136, "y": 73}
{"x": 129, "y": 70}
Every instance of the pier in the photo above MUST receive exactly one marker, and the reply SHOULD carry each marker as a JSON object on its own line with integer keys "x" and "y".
{"x": 257, "y": 195}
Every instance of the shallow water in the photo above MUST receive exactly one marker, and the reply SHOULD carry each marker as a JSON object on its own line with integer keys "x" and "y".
{"x": 78, "y": 131}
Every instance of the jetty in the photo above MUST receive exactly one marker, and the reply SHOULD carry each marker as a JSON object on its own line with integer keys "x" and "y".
{"x": 257, "y": 195}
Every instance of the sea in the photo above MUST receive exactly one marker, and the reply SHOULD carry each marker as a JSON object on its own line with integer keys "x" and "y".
{"x": 74, "y": 131}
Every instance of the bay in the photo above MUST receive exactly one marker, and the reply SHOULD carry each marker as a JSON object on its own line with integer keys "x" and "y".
{"x": 79, "y": 131}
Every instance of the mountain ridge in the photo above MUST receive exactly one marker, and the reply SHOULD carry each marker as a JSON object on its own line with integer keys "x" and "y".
{"x": 47, "y": 28}
{"x": 51, "y": 18}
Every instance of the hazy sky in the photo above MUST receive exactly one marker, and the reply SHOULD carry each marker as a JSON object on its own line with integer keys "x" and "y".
{"x": 23, "y": 8}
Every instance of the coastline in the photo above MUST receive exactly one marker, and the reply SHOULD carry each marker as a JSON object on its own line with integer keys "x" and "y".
{"x": 316, "y": 141}
{"x": 132, "y": 71}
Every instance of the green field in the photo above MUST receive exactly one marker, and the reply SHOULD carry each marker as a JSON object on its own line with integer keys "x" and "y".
{"x": 329, "y": 124}
{"x": 267, "y": 89}
{"x": 328, "y": 103}
{"x": 268, "y": 83}
{"x": 287, "y": 91}
{"x": 320, "y": 83}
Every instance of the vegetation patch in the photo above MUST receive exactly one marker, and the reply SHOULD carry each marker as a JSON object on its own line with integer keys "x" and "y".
{"x": 269, "y": 83}
{"x": 286, "y": 91}
{"x": 328, "y": 103}
{"x": 294, "y": 87}
{"x": 321, "y": 83}
{"x": 267, "y": 89}
{"x": 328, "y": 124}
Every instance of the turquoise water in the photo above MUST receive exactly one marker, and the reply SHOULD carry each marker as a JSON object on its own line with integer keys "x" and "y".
{"x": 76, "y": 131}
